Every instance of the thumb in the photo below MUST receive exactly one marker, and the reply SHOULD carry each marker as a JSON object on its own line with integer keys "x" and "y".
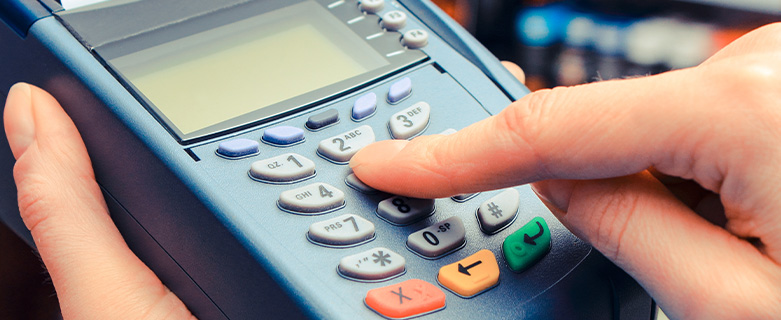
{"x": 94, "y": 272}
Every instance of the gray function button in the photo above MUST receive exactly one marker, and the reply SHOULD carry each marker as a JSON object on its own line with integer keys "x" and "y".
{"x": 443, "y": 237}
{"x": 415, "y": 38}
{"x": 400, "y": 210}
{"x": 394, "y": 20}
{"x": 499, "y": 211}
{"x": 372, "y": 6}
{"x": 375, "y": 264}
{"x": 322, "y": 119}
{"x": 340, "y": 148}
{"x": 343, "y": 230}
{"x": 410, "y": 121}
{"x": 357, "y": 184}
{"x": 315, "y": 198}
{"x": 288, "y": 167}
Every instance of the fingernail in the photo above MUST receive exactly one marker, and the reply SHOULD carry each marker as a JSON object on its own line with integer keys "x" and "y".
{"x": 377, "y": 153}
{"x": 19, "y": 121}
{"x": 556, "y": 193}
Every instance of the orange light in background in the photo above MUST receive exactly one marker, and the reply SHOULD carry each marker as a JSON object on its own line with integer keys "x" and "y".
{"x": 457, "y": 9}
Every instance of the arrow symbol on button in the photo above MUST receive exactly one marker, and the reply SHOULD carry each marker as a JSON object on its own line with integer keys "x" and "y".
{"x": 465, "y": 270}
{"x": 530, "y": 240}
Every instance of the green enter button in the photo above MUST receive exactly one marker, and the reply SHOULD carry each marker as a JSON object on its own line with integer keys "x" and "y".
{"x": 528, "y": 245}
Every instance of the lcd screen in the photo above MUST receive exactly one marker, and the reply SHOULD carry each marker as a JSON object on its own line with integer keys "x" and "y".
{"x": 203, "y": 80}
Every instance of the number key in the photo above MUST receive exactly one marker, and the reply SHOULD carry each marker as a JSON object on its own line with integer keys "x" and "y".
{"x": 316, "y": 198}
{"x": 438, "y": 239}
{"x": 411, "y": 121}
{"x": 400, "y": 210}
{"x": 344, "y": 230}
{"x": 342, "y": 147}
{"x": 289, "y": 167}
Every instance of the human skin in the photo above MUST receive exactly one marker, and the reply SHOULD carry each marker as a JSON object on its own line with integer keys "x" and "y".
{"x": 705, "y": 245}
{"x": 718, "y": 124}
{"x": 95, "y": 274}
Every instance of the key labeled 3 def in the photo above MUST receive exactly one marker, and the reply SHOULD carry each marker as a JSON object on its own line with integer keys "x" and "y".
{"x": 411, "y": 121}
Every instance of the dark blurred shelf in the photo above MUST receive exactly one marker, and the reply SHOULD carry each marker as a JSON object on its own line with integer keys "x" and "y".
{"x": 761, "y": 6}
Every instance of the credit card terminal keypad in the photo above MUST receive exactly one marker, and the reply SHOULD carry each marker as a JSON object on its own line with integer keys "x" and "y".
{"x": 376, "y": 243}
{"x": 394, "y": 256}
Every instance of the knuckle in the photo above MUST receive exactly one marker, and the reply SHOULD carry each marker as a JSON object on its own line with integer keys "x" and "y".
{"x": 610, "y": 214}
{"x": 522, "y": 125}
{"x": 32, "y": 199}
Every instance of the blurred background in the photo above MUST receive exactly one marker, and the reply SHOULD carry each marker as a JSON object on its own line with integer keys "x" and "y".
{"x": 557, "y": 43}
{"x": 569, "y": 42}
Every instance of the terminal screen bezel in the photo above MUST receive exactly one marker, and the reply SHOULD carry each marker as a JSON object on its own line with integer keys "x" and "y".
{"x": 387, "y": 45}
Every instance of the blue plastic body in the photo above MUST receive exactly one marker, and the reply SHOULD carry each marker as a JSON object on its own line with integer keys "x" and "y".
{"x": 217, "y": 239}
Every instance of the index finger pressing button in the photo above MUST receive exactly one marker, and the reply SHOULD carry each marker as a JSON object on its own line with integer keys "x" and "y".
{"x": 407, "y": 299}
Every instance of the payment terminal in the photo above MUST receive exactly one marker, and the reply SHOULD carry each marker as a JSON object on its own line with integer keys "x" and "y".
{"x": 220, "y": 133}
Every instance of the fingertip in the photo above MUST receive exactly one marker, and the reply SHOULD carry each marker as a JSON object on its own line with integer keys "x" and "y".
{"x": 18, "y": 118}
{"x": 375, "y": 157}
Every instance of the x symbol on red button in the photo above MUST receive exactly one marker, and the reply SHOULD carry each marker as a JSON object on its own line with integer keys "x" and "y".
{"x": 401, "y": 296}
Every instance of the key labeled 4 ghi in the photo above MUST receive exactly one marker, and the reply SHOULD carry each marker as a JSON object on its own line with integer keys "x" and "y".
{"x": 316, "y": 198}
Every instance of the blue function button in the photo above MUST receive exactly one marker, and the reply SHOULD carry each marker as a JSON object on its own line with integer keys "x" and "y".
{"x": 283, "y": 135}
{"x": 237, "y": 148}
{"x": 323, "y": 119}
{"x": 365, "y": 106}
{"x": 400, "y": 90}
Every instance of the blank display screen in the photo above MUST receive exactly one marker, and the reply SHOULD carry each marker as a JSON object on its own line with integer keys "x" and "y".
{"x": 208, "y": 78}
